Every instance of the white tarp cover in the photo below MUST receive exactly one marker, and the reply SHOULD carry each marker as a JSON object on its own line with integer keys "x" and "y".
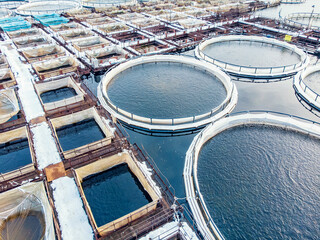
{"x": 113, "y": 27}
{"x": 3, "y": 62}
{"x": 23, "y": 32}
{"x": 65, "y": 26}
{"x": 5, "y": 74}
{"x": 90, "y": 41}
{"x": 42, "y": 51}
{"x": 55, "y": 63}
{"x": 29, "y": 40}
{"x": 88, "y": 16}
{"x": 130, "y": 16}
{"x": 100, "y": 20}
{"x": 101, "y": 52}
{"x": 191, "y": 23}
{"x": 76, "y": 33}
{"x": 144, "y": 22}
{"x": 172, "y": 16}
{"x": 16, "y": 205}
{"x": 8, "y": 105}
{"x": 79, "y": 11}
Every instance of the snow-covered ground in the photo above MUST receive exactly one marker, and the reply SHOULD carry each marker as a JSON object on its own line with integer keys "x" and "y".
{"x": 29, "y": 99}
{"x": 45, "y": 147}
{"x": 170, "y": 230}
{"x": 72, "y": 217}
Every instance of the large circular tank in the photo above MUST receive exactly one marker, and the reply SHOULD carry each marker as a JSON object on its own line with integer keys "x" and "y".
{"x": 307, "y": 86}
{"x": 241, "y": 56}
{"x": 47, "y": 7}
{"x": 255, "y": 175}
{"x": 104, "y": 3}
{"x": 303, "y": 20}
{"x": 162, "y": 92}
{"x": 11, "y": 4}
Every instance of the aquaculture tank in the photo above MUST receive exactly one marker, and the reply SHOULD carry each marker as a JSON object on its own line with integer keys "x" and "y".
{"x": 257, "y": 175}
{"x": 79, "y": 134}
{"x": 307, "y": 86}
{"x": 125, "y": 194}
{"x": 9, "y": 106}
{"x": 104, "y": 3}
{"x": 47, "y": 7}
{"x": 240, "y": 56}
{"x": 26, "y": 214}
{"x": 164, "y": 93}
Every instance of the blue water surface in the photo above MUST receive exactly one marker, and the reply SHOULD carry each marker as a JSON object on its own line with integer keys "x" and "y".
{"x": 166, "y": 90}
{"x": 114, "y": 193}
{"x": 14, "y": 155}
{"x": 262, "y": 182}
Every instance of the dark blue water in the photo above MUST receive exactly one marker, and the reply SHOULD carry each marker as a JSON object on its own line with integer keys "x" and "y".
{"x": 14, "y": 155}
{"x": 252, "y": 54}
{"x": 79, "y": 134}
{"x": 166, "y": 90}
{"x": 114, "y": 193}
{"x": 313, "y": 81}
{"x": 262, "y": 182}
{"x": 57, "y": 94}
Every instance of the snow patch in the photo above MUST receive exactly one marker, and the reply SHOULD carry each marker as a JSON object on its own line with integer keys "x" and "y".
{"x": 107, "y": 123}
{"x": 72, "y": 217}
{"x": 148, "y": 174}
{"x": 29, "y": 99}
{"x": 170, "y": 230}
{"x": 44, "y": 144}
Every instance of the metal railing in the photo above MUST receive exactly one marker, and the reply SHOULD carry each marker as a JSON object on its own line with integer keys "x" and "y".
{"x": 315, "y": 96}
{"x": 16, "y": 173}
{"x": 123, "y": 221}
{"x": 59, "y": 7}
{"x": 164, "y": 184}
{"x": 172, "y": 121}
{"x": 292, "y": 19}
{"x": 87, "y": 148}
{"x": 86, "y": 157}
{"x": 190, "y": 167}
{"x": 253, "y": 70}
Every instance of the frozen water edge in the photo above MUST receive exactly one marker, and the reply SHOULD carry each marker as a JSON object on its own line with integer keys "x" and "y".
{"x": 72, "y": 217}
